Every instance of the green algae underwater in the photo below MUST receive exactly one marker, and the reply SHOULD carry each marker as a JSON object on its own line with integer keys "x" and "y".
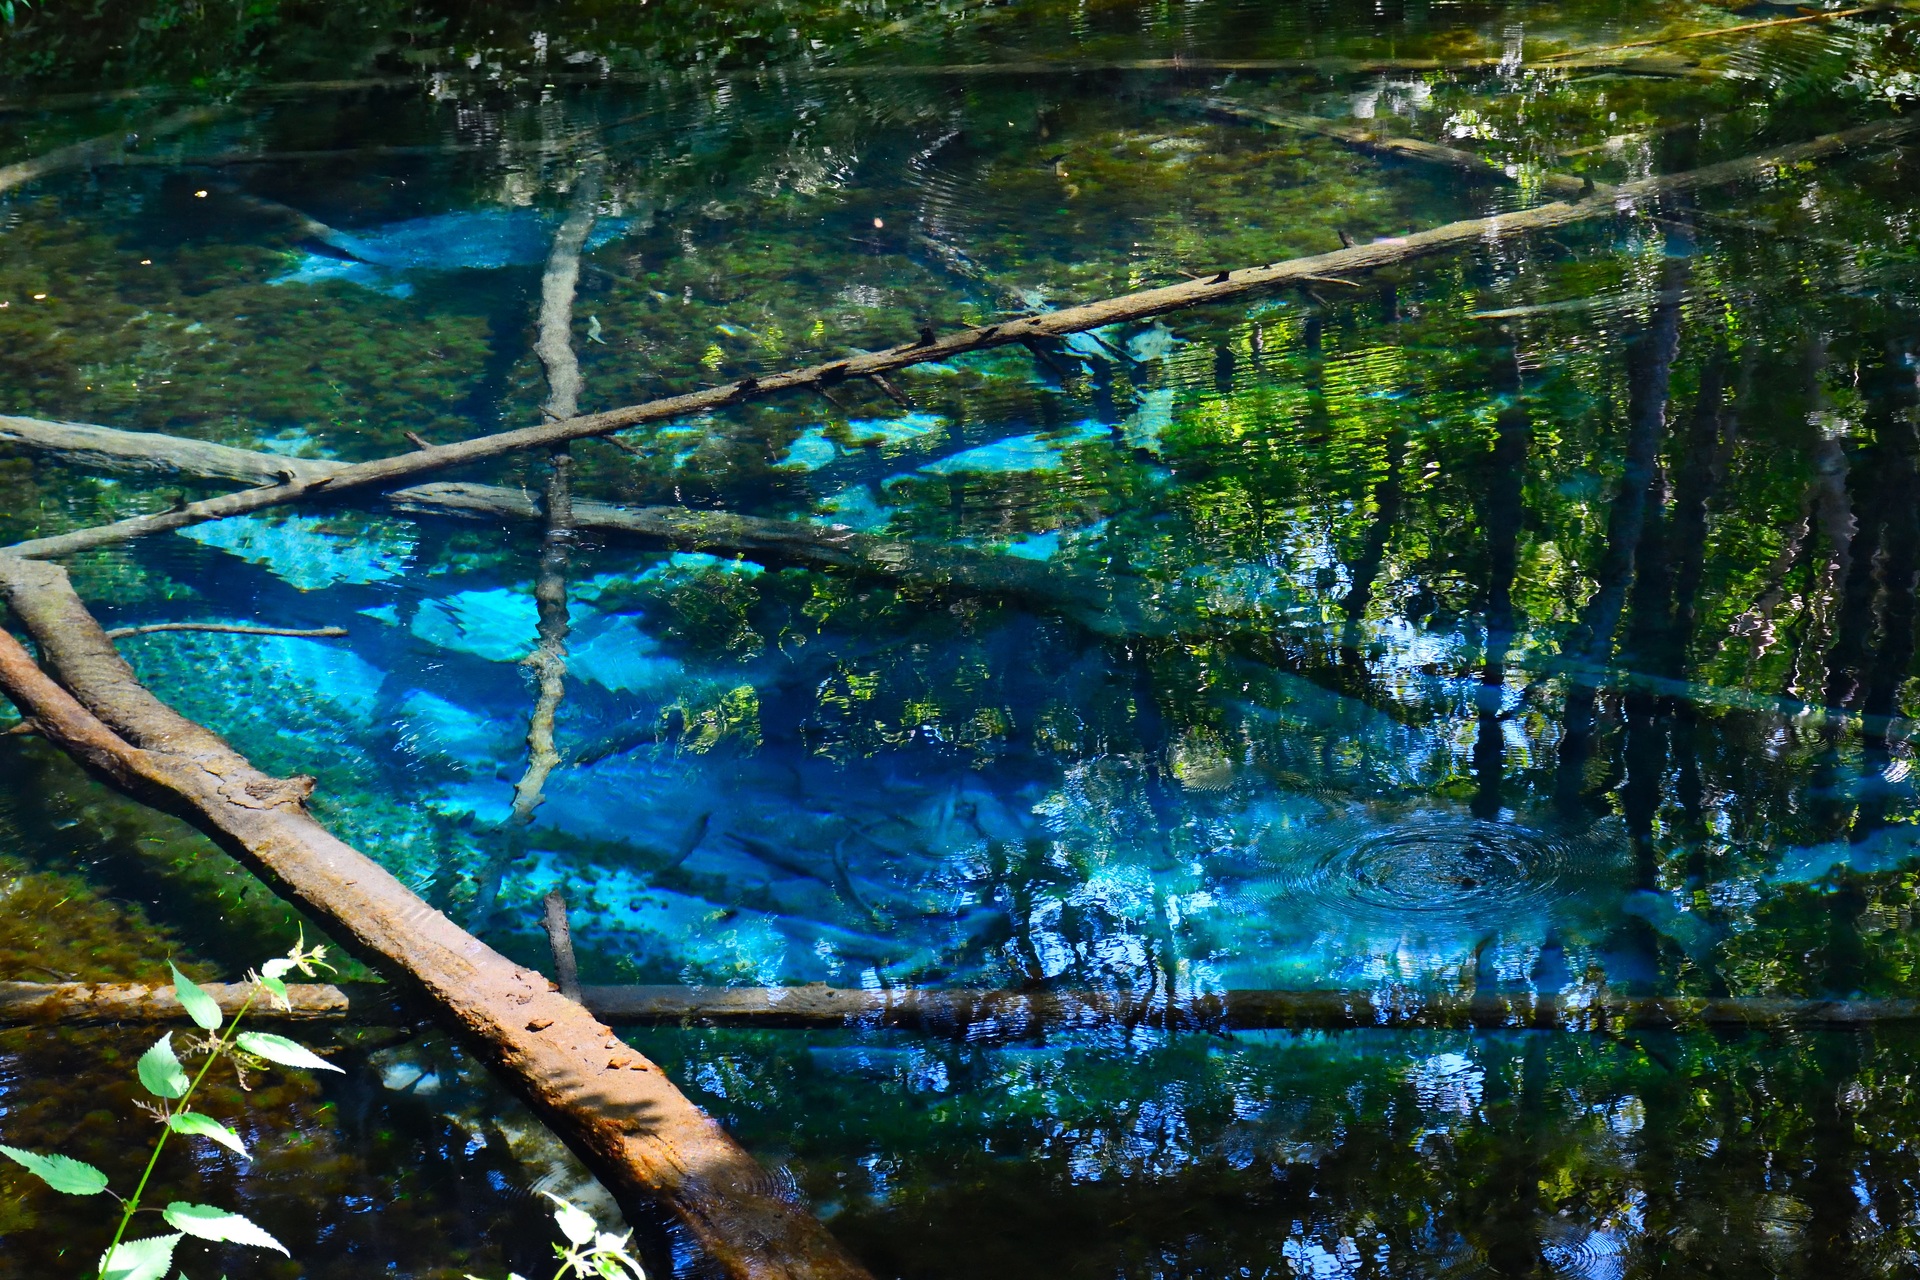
{"x": 1536, "y": 619}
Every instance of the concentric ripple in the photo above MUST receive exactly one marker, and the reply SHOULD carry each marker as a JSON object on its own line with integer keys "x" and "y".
{"x": 1434, "y": 869}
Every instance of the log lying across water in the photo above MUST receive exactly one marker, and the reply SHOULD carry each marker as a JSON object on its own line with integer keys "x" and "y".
{"x": 988, "y": 1015}
{"x": 646, "y": 1142}
{"x": 1224, "y": 286}
{"x": 1104, "y": 607}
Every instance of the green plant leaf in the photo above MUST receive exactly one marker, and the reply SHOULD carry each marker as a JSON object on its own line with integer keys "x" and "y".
{"x": 209, "y": 1223}
{"x": 161, "y": 1072}
{"x": 276, "y": 988}
{"x": 276, "y": 967}
{"x": 139, "y": 1259}
{"x": 577, "y": 1225}
{"x": 199, "y": 1005}
{"x": 62, "y": 1173}
{"x": 281, "y": 1050}
{"x": 196, "y": 1125}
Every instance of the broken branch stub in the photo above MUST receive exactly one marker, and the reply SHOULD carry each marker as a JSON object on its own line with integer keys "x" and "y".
{"x": 1222, "y": 287}
{"x": 640, "y": 1135}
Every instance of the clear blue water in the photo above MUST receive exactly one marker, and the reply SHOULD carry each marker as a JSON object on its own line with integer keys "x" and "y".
{"x": 1536, "y": 619}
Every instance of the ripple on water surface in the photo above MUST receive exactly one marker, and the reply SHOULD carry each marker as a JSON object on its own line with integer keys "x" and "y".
{"x": 1435, "y": 871}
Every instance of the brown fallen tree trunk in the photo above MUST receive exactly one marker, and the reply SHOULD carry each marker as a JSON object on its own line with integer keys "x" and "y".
{"x": 650, "y": 1146}
{"x": 977, "y": 1015}
{"x": 1382, "y": 144}
{"x": 1224, "y": 286}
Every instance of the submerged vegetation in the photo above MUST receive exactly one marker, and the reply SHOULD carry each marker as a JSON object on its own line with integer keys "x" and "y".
{"x": 1533, "y": 620}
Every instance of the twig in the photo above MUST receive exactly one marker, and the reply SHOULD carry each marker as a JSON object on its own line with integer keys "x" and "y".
{"x": 23, "y": 728}
{"x": 560, "y": 941}
{"x": 1226, "y": 286}
{"x": 225, "y": 628}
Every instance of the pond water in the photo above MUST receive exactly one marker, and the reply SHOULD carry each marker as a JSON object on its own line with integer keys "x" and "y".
{"x": 1534, "y": 620}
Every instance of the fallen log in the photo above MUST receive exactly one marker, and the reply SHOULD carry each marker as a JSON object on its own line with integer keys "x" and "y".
{"x": 103, "y": 148}
{"x": 1225, "y": 286}
{"x": 1383, "y": 144}
{"x": 650, "y": 1146}
{"x": 1109, "y": 608}
{"x": 986, "y": 1014}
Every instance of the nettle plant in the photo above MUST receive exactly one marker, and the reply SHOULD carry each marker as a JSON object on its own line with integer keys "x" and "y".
{"x": 588, "y": 1252}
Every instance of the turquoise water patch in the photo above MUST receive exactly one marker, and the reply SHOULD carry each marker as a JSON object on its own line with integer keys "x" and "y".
{"x": 1036, "y": 452}
{"x": 621, "y": 657}
{"x": 473, "y": 240}
{"x": 810, "y": 451}
{"x": 886, "y": 431}
{"x": 429, "y": 724}
{"x": 304, "y": 552}
{"x": 855, "y": 508}
{"x": 498, "y": 625}
{"x": 1150, "y": 422}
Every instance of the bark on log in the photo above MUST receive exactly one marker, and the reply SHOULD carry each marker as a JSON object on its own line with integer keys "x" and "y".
{"x": 1222, "y": 287}
{"x": 974, "y": 1015}
{"x": 1381, "y": 144}
{"x": 646, "y": 1142}
{"x": 103, "y": 148}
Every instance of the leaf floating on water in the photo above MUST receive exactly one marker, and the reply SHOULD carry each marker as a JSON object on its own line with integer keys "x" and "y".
{"x": 160, "y": 1071}
{"x": 281, "y": 1050}
{"x": 62, "y": 1173}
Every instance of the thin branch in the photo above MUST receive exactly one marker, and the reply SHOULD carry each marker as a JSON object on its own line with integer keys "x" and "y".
{"x": 1226, "y": 286}
{"x": 226, "y": 628}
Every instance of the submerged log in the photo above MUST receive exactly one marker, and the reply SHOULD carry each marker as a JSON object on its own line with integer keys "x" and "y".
{"x": 105, "y": 148}
{"x": 1224, "y": 286}
{"x": 977, "y": 1015}
{"x": 1383, "y": 144}
{"x": 1108, "y": 608}
{"x": 640, "y": 1135}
